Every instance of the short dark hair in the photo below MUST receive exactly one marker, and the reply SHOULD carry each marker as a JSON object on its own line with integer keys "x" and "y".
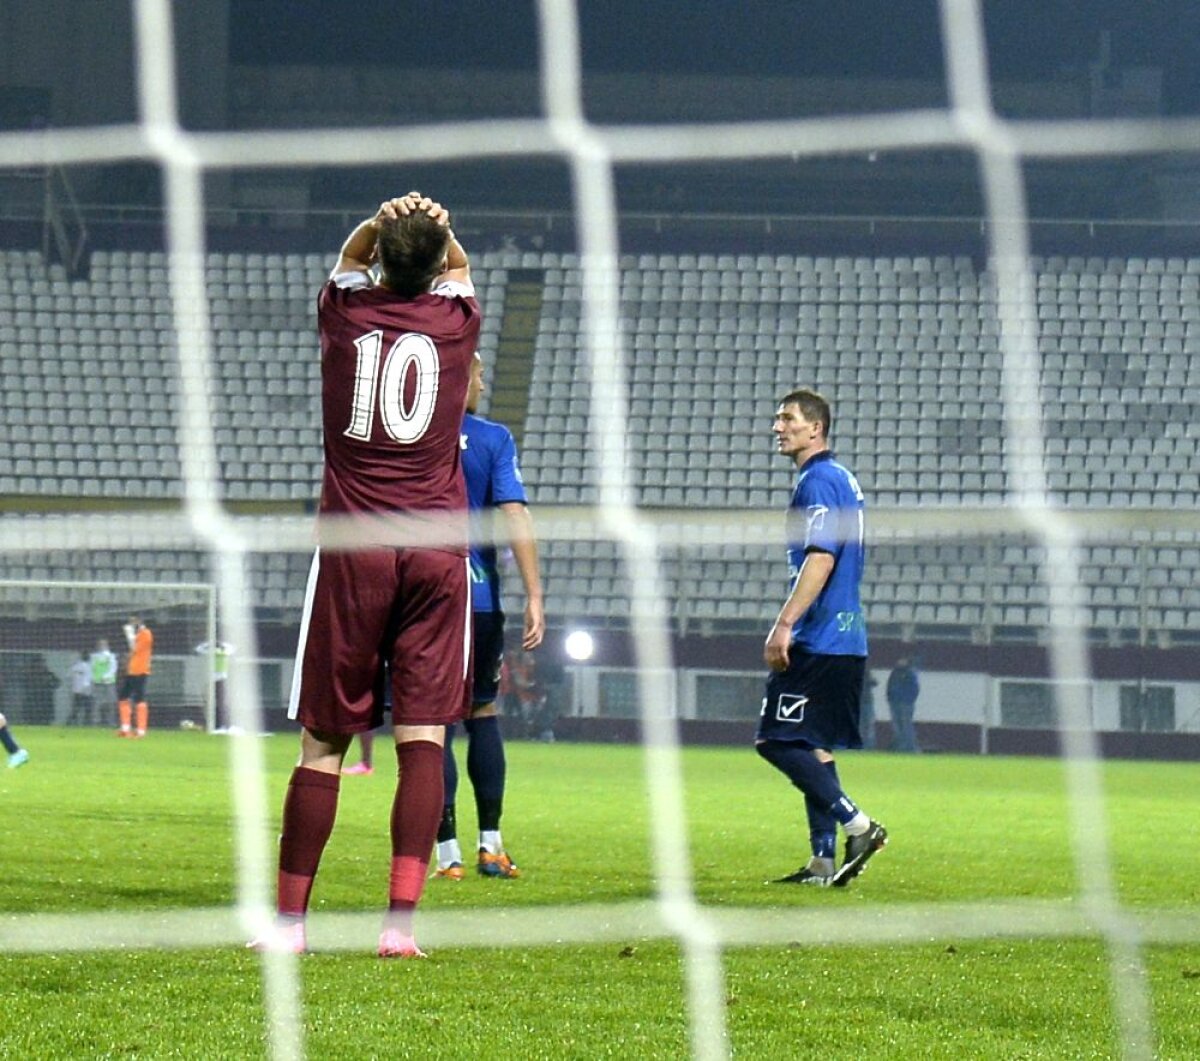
{"x": 412, "y": 249}
{"x": 812, "y": 405}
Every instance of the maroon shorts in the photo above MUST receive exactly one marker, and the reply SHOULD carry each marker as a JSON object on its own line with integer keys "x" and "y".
{"x": 408, "y": 608}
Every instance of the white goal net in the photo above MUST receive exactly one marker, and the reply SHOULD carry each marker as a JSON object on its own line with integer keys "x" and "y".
{"x": 49, "y": 627}
{"x": 47, "y": 620}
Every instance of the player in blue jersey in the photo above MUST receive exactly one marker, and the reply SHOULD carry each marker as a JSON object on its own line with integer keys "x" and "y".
{"x": 817, "y": 648}
{"x": 493, "y": 476}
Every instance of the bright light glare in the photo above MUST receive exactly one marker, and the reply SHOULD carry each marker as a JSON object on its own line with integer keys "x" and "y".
{"x": 579, "y": 645}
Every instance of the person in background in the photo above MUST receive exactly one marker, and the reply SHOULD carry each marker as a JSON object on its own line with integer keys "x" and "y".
{"x": 137, "y": 673}
{"x": 220, "y": 653}
{"x": 39, "y": 688}
{"x": 493, "y": 476}
{"x": 80, "y": 676}
{"x": 903, "y": 688}
{"x": 104, "y": 684}
{"x": 365, "y": 766}
{"x": 817, "y": 647}
{"x": 524, "y": 691}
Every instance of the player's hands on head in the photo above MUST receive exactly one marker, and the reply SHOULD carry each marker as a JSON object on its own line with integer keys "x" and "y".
{"x": 412, "y": 203}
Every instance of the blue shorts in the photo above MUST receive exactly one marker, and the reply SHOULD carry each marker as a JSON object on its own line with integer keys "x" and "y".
{"x": 488, "y": 644}
{"x": 815, "y": 701}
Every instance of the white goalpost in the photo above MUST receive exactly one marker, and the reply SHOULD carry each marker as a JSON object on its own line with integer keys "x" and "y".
{"x": 52, "y": 620}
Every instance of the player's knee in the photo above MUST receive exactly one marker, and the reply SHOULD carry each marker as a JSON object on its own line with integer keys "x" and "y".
{"x": 775, "y": 751}
{"x": 482, "y": 724}
{"x": 318, "y": 744}
{"x": 3, "y": 720}
{"x": 405, "y": 734}
{"x": 766, "y": 750}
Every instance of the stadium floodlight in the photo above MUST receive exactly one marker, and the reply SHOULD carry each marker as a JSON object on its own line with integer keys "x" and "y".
{"x": 579, "y": 645}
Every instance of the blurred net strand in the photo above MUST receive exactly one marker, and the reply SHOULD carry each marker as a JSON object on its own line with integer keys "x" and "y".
{"x": 544, "y": 926}
{"x": 673, "y": 527}
{"x": 596, "y": 214}
{"x": 593, "y": 150}
{"x": 183, "y": 176}
{"x": 1005, "y": 204}
{"x": 537, "y": 137}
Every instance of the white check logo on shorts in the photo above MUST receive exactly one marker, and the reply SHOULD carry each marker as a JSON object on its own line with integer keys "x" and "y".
{"x": 790, "y": 708}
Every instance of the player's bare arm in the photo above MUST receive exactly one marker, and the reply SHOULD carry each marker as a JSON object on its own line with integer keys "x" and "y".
{"x": 359, "y": 252}
{"x": 814, "y": 573}
{"x": 524, "y": 547}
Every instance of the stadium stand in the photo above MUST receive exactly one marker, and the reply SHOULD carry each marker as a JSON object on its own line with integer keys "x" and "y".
{"x": 709, "y": 338}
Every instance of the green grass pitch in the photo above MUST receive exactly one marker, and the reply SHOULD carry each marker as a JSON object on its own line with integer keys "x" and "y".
{"x": 99, "y": 826}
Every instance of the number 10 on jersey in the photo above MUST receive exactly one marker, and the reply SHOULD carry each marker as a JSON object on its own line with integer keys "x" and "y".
{"x": 404, "y": 423}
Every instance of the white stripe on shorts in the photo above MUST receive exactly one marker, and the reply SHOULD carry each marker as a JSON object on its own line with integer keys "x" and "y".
{"x": 305, "y": 617}
{"x": 467, "y": 625}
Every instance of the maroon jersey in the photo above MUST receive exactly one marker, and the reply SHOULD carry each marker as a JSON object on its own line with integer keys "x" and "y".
{"x": 394, "y": 387}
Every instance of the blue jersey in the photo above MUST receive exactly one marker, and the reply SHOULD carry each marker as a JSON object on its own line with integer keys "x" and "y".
{"x": 493, "y": 476}
{"x": 826, "y": 514}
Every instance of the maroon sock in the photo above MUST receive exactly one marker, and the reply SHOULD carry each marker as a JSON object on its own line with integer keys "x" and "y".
{"x": 308, "y": 813}
{"x": 416, "y": 812}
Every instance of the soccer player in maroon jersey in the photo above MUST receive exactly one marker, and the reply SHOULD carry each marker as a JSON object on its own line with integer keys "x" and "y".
{"x": 395, "y": 363}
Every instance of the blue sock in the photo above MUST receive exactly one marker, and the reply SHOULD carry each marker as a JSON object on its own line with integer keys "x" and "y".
{"x": 801, "y": 766}
{"x": 449, "y": 768}
{"x": 486, "y": 768}
{"x": 6, "y": 739}
{"x": 448, "y": 826}
{"x": 822, "y": 829}
{"x": 822, "y": 825}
